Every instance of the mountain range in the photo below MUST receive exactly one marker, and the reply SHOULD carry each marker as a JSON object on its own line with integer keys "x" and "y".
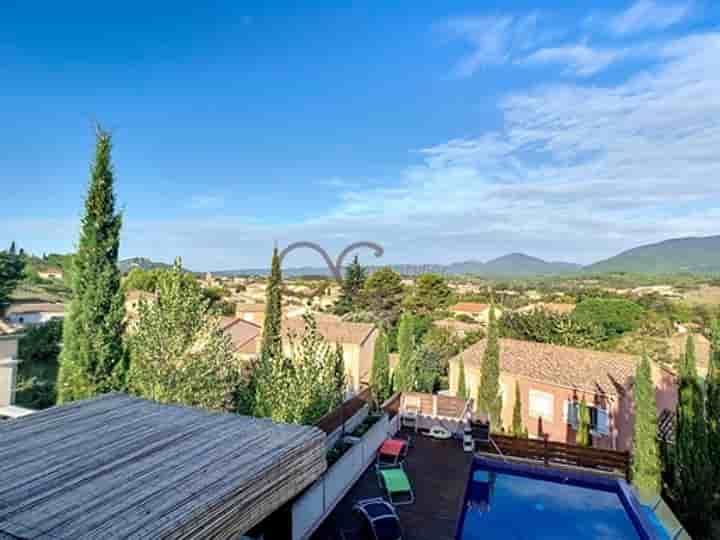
{"x": 678, "y": 255}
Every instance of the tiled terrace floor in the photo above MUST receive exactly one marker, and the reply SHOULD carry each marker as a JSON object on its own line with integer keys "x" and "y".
{"x": 438, "y": 472}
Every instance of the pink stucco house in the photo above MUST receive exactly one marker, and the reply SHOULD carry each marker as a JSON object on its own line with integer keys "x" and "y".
{"x": 553, "y": 379}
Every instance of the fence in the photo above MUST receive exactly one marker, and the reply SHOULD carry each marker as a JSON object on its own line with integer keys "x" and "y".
{"x": 335, "y": 418}
{"x": 392, "y": 405}
{"x": 313, "y": 506}
{"x": 551, "y": 452}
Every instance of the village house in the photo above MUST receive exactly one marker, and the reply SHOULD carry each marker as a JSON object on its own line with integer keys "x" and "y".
{"x": 244, "y": 335}
{"x": 255, "y": 312}
{"x": 466, "y": 287}
{"x": 357, "y": 341}
{"x": 51, "y": 273}
{"x": 553, "y": 379}
{"x": 256, "y": 291}
{"x": 474, "y": 310}
{"x": 8, "y": 378}
{"x": 24, "y": 314}
{"x": 548, "y": 307}
{"x": 459, "y": 328}
{"x": 251, "y": 312}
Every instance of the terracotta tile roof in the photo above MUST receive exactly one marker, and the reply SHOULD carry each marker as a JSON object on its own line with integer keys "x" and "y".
{"x": 333, "y": 331}
{"x": 243, "y": 334}
{"x": 469, "y": 307}
{"x": 592, "y": 371}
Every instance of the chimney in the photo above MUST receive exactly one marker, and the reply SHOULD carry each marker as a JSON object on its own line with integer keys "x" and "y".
{"x": 8, "y": 371}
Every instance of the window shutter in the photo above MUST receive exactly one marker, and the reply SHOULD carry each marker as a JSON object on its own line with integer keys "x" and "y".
{"x": 572, "y": 413}
{"x": 603, "y": 422}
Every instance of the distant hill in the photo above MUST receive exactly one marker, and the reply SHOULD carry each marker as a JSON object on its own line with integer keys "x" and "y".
{"x": 519, "y": 264}
{"x": 515, "y": 264}
{"x": 697, "y": 254}
{"x": 694, "y": 254}
{"x": 140, "y": 262}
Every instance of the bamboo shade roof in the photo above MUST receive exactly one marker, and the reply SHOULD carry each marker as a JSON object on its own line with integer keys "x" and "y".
{"x": 123, "y": 467}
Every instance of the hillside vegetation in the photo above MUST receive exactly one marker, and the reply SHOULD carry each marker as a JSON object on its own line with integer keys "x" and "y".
{"x": 670, "y": 256}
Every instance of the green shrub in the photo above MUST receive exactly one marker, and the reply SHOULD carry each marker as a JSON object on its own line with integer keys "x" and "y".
{"x": 614, "y": 315}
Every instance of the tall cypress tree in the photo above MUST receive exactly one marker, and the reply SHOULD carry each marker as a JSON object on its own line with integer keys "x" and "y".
{"x": 583, "y": 434}
{"x": 646, "y": 467}
{"x": 352, "y": 285}
{"x": 693, "y": 471}
{"x": 405, "y": 375}
{"x": 489, "y": 398}
{"x": 272, "y": 326}
{"x": 12, "y": 268}
{"x": 93, "y": 359}
{"x": 713, "y": 401}
{"x": 270, "y": 363}
{"x": 518, "y": 429}
{"x": 462, "y": 391}
{"x": 380, "y": 374}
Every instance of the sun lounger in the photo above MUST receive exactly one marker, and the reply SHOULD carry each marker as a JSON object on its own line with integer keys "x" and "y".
{"x": 391, "y": 453}
{"x": 380, "y": 517}
{"x": 396, "y": 485}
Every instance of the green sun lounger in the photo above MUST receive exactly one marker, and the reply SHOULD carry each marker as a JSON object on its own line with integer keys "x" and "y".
{"x": 396, "y": 485}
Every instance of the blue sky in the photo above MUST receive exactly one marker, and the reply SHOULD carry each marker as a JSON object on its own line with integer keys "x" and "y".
{"x": 444, "y": 131}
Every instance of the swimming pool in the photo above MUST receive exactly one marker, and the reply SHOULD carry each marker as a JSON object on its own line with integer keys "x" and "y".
{"x": 511, "y": 501}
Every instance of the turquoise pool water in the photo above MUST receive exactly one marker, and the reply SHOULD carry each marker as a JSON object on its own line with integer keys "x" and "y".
{"x": 512, "y": 507}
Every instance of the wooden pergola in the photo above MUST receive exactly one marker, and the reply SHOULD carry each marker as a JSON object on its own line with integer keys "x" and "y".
{"x": 123, "y": 467}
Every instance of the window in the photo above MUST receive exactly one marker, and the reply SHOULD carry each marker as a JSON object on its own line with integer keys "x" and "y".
{"x": 599, "y": 419}
{"x": 541, "y": 405}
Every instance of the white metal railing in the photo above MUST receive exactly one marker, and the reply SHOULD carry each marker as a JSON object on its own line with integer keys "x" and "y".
{"x": 319, "y": 500}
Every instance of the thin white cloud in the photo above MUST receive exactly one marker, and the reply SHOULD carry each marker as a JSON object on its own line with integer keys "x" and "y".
{"x": 579, "y": 59}
{"x": 590, "y": 166}
{"x": 576, "y": 171}
{"x": 650, "y": 15}
{"x": 493, "y": 39}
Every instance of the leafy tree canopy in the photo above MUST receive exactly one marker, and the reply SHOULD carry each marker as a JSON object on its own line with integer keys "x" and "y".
{"x": 39, "y": 350}
{"x": 179, "y": 353}
{"x": 12, "y": 267}
{"x": 430, "y": 293}
{"x": 304, "y": 386}
{"x": 616, "y": 316}
{"x": 382, "y": 296}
